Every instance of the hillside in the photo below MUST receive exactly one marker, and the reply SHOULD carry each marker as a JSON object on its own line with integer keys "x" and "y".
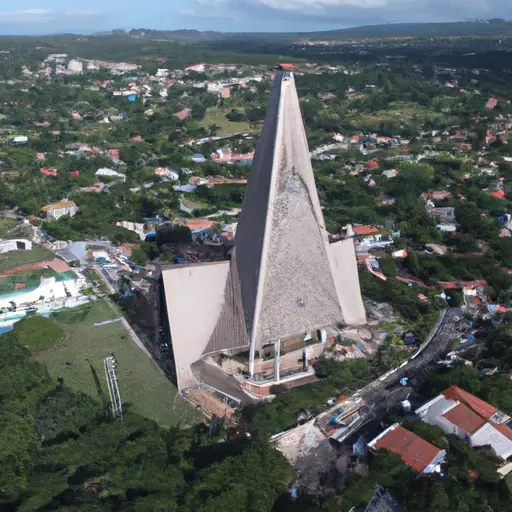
{"x": 494, "y": 27}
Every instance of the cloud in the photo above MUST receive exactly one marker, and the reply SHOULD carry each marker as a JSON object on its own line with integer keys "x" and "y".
{"x": 41, "y": 15}
{"x": 342, "y": 13}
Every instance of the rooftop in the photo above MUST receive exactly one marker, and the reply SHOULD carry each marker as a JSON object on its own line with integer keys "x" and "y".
{"x": 414, "y": 451}
{"x": 463, "y": 417}
{"x": 59, "y": 204}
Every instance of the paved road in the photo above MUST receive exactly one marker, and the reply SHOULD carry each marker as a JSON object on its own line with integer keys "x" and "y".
{"x": 381, "y": 396}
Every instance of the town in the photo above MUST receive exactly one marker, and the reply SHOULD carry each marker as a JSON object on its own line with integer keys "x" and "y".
{"x": 292, "y": 272}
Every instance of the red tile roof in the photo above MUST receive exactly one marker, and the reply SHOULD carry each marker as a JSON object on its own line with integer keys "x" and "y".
{"x": 477, "y": 407}
{"x": 364, "y": 230}
{"x": 414, "y": 451}
{"x": 463, "y": 417}
{"x": 183, "y": 114}
{"x": 482, "y": 408}
{"x": 499, "y": 194}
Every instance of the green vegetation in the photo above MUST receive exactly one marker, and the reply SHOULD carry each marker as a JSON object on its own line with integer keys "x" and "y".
{"x": 15, "y": 258}
{"x": 5, "y": 226}
{"x": 217, "y": 117}
{"x": 38, "y": 333}
{"x": 455, "y": 491}
{"x": 143, "y": 387}
{"x": 280, "y": 414}
{"x": 61, "y": 450}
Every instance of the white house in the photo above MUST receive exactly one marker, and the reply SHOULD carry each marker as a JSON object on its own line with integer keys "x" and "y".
{"x": 105, "y": 171}
{"x": 60, "y": 209}
{"x": 460, "y": 413}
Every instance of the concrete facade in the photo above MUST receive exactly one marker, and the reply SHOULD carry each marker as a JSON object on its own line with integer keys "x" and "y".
{"x": 285, "y": 279}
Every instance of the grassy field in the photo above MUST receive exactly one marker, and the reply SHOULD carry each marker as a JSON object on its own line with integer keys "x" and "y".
{"x": 38, "y": 333}
{"x": 15, "y": 258}
{"x": 215, "y": 116}
{"x": 5, "y": 226}
{"x": 142, "y": 385}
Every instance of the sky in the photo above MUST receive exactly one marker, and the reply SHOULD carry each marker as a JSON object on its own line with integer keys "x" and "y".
{"x": 80, "y": 16}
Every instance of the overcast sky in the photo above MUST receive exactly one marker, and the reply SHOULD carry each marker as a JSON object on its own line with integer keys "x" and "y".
{"x": 50, "y": 16}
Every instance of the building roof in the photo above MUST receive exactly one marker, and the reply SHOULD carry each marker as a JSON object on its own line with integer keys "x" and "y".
{"x": 462, "y": 416}
{"x": 183, "y": 114}
{"x": 478, "y": 406}
{"x": 59, "y": 204}
{"x": 364, "y": 230}
{"x": 414, "y": 451}
{"x": 194, "y": 224}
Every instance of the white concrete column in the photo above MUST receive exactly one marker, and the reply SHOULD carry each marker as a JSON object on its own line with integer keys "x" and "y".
{"x": 323, "y": 335}
{"x": 277, "y": 361}
{"x": 251, "y": 361}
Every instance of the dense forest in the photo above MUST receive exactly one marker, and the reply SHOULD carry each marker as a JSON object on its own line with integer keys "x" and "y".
{"x": 60, "y": 450}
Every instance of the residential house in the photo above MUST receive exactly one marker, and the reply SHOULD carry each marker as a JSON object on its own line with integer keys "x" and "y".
{"x": 462, "y": 414}
{"x": 491, "y": 103}
{"x": 198, "y": 68}
{"x": 183, "y": 114}
{"x": 412, "y": 449}
{"x": 198, "y": 158}
{"x": 167, "y": 173}
{"x": 441, "y": 195}
{"x": 446, "y": 213}
{"x": 60, "y": 209}
{"x": 226, "y": 155}
{"x": 498, "y": 194}
{"x": 111, "y": 173}
{"x": 390, "y": 173}
{"x": 447, "y": 228}
{"x": 48, "y": 172}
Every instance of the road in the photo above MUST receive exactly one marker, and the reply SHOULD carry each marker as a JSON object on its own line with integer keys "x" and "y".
{"x": 386, "y": 393}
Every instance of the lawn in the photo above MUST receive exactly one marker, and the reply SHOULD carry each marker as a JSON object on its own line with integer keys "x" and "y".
{"x": 16, "y": 258}
{"x": 143, "y": 387}
{"x": 38, "y": 333}
{"x": 215, "y": 116}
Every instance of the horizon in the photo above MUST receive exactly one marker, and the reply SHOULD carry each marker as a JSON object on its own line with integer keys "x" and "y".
{"x": 237, "y": 16}
{"x": 93, "y": 32}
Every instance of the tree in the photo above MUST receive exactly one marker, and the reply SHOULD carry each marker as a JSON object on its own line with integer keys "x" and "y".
{"x": 139, "y": 256}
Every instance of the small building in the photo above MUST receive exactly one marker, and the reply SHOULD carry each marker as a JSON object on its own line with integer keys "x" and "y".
{"x": 412, "y": 449}
{"x": 198, "y": 68}
{"x": 441, "y": 195}
{"x": 48, "y": 172}
{"x": 198, "y": 158}
{"x": 445, "y": 213}
{"x": 75, "y": 66}
{"x": 447, "y": 228}
{"x": 105, "y": 171}
{"x": 183, "y": 114}
{"x": 164, "y": 172}
{"x": 60, "y": 209}
{"x": 390, "y": 173}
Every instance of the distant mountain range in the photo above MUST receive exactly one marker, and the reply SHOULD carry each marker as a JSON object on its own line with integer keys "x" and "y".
{"x": 493, "y": 27}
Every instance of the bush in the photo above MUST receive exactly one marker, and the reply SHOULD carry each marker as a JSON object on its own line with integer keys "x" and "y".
{"x": 38, "y": 333}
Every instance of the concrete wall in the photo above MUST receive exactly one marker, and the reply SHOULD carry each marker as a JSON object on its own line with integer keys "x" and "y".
{"x": 488, "y": 435}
